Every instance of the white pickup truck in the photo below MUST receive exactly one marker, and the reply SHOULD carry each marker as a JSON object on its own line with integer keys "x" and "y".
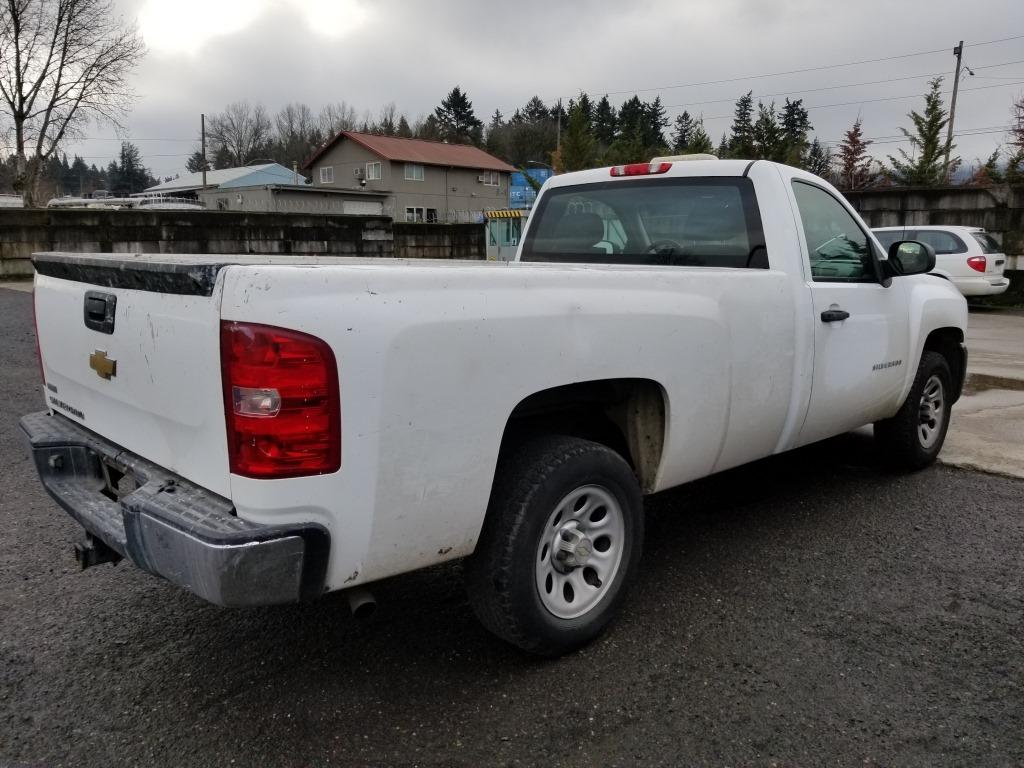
{"x": 265, "y": 430}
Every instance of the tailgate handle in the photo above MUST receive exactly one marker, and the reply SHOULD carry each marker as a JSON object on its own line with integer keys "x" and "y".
{"x": 99, "y": 311}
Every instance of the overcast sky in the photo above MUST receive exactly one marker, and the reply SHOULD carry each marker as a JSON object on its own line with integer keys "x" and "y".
{"x": 204, "y": 54}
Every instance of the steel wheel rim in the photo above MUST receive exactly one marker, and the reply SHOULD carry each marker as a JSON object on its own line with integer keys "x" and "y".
{"x": 580, "y": 551}
{"x": 931, "y": 412}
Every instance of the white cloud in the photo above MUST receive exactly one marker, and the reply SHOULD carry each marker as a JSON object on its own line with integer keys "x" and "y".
{"x": 185, "y": 26}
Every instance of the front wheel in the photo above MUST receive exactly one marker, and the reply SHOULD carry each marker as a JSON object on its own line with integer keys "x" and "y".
{"x": 560, "y": 543}
{"x": 912, "y": 438}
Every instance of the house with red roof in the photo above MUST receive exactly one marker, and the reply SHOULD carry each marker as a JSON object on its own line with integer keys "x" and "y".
{"x": 418, "y": 180}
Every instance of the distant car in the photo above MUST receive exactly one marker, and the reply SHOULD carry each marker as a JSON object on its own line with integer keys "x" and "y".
{"x": 966, "y": 256}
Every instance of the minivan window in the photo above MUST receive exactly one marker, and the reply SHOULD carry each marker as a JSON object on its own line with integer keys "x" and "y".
{"x": 942, "y": 242}
{"x": 987, "y": 242}
{"x": 695, "y": 222}
{"x": 889, "y": 237}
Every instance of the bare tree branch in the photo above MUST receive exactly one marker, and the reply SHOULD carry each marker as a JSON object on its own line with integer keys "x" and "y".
{"x": 62, "y": 64}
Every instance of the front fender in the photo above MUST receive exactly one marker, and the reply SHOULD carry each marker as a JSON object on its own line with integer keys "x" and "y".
{"x": 932, "y": 304}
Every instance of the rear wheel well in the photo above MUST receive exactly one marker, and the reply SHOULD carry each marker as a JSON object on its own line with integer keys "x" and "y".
{"x": 627, "y": 415}
{"x": 948, "y": 342}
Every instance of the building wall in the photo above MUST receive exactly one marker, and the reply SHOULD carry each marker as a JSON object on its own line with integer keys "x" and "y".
{"x": 454, "y": 193}
{"x": 24, "y": 232}
{"x": 263, "y": 200}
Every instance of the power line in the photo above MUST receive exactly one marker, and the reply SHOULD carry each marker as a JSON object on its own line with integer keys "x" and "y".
{"x": 798, "y": 71}
{"x": 898, "y": 140}
{"x": 980, "y": 129}
{"x": 865, "y": 101}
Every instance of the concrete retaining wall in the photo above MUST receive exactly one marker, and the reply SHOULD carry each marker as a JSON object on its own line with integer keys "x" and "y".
{"x": 439, "y": 241}
{"x": 24, "y": 232}
{"x": 999, "y": 209}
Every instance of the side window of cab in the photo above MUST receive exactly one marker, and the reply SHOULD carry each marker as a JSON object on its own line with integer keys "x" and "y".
{"x": 838, "y": 249}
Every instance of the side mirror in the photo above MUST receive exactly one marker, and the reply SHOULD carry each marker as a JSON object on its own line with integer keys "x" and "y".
{"x": 910, "y": 257}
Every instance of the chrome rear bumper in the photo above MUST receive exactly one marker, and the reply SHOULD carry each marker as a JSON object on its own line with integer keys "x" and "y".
{"x": 171, "y": 527}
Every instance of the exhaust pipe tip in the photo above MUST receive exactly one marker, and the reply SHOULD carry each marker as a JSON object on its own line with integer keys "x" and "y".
{"x": 362, "y": 604}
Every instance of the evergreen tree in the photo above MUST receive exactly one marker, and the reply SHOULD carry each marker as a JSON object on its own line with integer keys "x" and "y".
{"x": 925, "y": 164}
{"x": 222, "y": 158}
{"x": 723, "y": 147}
{"x": 818, "y": 159}
{"x": 795, "y": 124}
{"x": 605, "y": 122}
{"x": 403, "y": 128}
{"x": 195, "y": 162}
{"x": 767, "y": 135}
{"x": 113, "y": 177}
{"x": 131, "y": 175}
{"x": 535, "y": 111}
{"x": 854, "y": 161}
{"x": 700, "y": 142}
{"x": 683, "y": 133}
{"x": 579, "y": 147}
{"x": 654, "y": 124}
{"x": 632, "y": 115}
{"x": 627, "y": 148}
{"x": 988, "y": 173}
{"x": 741, "y": 141}
{"x": 587, "y": 107}
{"x": 80, "y": 177}
{"x": 456, "y": 121}
{"x": 428, "y": 129}
{"x": 558, "y": 112}
{"x": 497, "y": 135}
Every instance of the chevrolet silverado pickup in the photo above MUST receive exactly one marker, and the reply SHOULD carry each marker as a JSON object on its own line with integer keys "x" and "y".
{"x": 263, "y": 430}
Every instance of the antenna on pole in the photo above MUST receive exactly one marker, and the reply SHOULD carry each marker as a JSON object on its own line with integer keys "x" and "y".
{"x": 958, "y": 52}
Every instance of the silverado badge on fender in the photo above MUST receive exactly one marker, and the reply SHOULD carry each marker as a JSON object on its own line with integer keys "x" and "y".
{"x": 105, "y": 367}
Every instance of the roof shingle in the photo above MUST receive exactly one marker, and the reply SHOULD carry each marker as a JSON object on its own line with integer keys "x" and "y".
{"x": 419, "y": 151}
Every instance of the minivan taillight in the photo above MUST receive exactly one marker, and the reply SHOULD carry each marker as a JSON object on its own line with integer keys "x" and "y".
{"x": 978, "y": 263}
{"x": 281, "y": 401}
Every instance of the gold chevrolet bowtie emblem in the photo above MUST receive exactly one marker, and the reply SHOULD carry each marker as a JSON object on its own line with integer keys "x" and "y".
{"x": 105, "y": 367}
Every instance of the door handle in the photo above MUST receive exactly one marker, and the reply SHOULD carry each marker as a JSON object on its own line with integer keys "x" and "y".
{"x": 834, "y": 315}
{"x": 99, "y": 311}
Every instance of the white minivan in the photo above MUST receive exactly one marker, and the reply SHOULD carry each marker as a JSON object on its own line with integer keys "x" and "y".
{"x": 967, "y": 256}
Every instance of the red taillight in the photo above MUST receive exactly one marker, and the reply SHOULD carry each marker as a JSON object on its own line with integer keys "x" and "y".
{"x": 640, "y": 169}
{"x": 281, "y": 401}
{"x": 978, "y": 263}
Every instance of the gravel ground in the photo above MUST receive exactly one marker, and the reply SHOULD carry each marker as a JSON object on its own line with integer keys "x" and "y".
{"x": 806, "y": 610}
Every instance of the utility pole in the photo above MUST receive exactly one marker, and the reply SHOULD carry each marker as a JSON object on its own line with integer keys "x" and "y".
{"x": 202, "y": 131}
{"x": 958, "y": 52}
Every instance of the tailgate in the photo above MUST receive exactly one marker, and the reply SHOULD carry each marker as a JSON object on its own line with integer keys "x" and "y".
{"x": 131, "y": 351}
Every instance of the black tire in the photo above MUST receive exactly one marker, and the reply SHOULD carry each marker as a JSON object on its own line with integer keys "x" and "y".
{"x": 502, "y": 574}
{"x": 901, "y": 438}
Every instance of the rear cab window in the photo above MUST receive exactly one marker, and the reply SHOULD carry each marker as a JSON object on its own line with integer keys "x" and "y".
{"x": 690, "y": 222}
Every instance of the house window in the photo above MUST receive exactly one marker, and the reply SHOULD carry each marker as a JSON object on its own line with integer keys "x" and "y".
{"x": 431, "y": 215}
{"x": 413, "y": 172}
{"x": 373, "y": 171}
{"x": 490, "y": 178}
{"x": 327, "y": 174}
{"x": 414, "y": 214}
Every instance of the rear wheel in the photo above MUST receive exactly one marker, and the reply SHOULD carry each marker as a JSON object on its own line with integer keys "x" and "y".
{"x": 914, "y": 436}
{"x": 560, "y": 544}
